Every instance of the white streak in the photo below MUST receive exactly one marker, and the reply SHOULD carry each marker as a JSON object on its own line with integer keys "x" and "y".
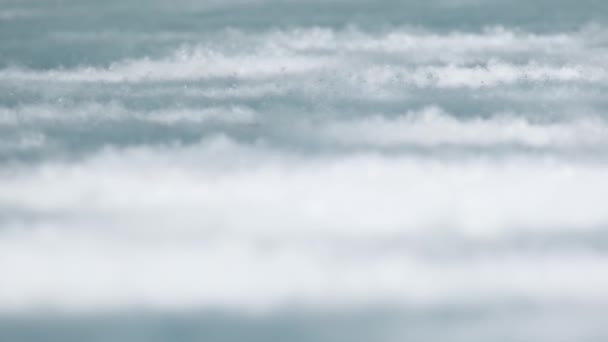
{"x": 433, "y": 127}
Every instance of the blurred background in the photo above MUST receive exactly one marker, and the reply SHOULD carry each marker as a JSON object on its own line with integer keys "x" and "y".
{"x": 303, "y": 170}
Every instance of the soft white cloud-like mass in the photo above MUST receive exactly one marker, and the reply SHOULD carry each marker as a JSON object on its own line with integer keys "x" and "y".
{"x": 221, "y": 186}
{"x": 335, "y": 168}
{"x": 95, "y": 271}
